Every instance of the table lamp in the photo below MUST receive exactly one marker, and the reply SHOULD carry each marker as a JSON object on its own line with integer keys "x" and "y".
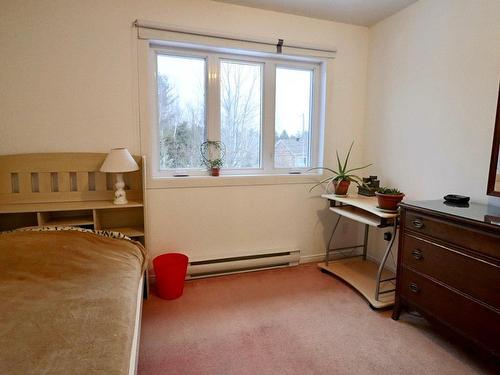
{"x": 118, "y": 161}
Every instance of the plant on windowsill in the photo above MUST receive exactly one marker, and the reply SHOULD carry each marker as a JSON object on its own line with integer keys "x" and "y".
{"x": 389, "y": 198}
{"x": 215, "y": 166}
{"x": 342, "y": 177}
{"x": 213, "y": 153}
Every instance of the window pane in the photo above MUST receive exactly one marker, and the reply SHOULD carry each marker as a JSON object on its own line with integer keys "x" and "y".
{"x": 293, "y": 118}
{"x": 181, "y": 110}
{"x": 241, "y": 106}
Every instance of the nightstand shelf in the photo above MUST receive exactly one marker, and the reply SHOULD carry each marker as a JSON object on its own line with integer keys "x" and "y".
{"x": 132, "y": 232}
{"x": 127, "y": 219}
{"x": 70, "y": 221}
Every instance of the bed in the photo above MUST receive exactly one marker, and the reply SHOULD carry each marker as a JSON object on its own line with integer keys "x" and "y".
{"x": 70, "y": 296}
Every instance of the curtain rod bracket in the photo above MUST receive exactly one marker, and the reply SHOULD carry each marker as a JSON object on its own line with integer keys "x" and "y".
{"x": 279, "y": 46}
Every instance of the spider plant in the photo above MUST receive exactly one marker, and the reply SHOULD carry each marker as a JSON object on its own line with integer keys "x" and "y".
{"x": 343, "y": 173}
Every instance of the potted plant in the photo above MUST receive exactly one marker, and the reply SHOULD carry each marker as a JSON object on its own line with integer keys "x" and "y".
{"x": 389, "y": 198}
{"x": 213, "y": 153}
{"x": 215, "y": 166}
{"x": 342, "y": 177}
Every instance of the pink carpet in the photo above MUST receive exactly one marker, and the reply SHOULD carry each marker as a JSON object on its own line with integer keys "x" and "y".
{"x": 288, "y": 321}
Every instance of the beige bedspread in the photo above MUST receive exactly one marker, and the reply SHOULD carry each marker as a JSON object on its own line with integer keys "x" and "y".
{"x": 67, "y": 302}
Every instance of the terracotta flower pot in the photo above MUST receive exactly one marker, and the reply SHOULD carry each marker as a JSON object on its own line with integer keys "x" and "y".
{"x": 389, "y": 201}
{"x": 215, "y": 171}
{"x": 341, "y": 187}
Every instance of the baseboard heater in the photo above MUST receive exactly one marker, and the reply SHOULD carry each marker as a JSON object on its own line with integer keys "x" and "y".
{"x": 243, "y": 263}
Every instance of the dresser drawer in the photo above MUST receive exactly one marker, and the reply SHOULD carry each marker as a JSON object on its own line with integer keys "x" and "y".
{"x": 473, "y": 276}
{"x": 476, "y": 321}
{"x": 475, "y": 239}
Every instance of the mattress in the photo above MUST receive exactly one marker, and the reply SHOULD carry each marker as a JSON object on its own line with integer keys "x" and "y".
{"x": 68, "y": 302}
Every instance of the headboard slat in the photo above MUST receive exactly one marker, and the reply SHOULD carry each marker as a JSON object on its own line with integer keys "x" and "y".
{"x": 44, "y": 182}
{"x": 24, "y": 182}
{"x": 5, "y": 183}
{"x": 82, "y": 180}
{"x": 64, "y": 181}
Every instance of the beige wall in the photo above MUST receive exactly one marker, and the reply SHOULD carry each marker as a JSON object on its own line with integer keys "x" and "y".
{"x": 68, "y": 73}
{"x": 433, "y": 78}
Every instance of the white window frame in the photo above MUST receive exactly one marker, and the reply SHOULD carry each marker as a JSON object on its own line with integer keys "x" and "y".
{"x": 213, "y": 57}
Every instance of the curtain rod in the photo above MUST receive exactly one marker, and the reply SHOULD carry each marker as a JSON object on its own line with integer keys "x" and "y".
{"x": 279, "y": 43}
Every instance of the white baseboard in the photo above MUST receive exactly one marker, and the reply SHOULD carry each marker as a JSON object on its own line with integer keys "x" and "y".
{"x": 312, "y": 258}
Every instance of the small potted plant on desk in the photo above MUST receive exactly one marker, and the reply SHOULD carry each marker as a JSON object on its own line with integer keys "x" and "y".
{"x": 389, "y": 198}
{"x": 342, "y": 177}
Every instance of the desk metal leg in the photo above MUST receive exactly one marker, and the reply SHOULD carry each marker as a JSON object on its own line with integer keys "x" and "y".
{"x": 382, "y": 264}
{"x": 340, "y": 249}
{"x": 365, "y": 241}
{"x": 328, "y": 246}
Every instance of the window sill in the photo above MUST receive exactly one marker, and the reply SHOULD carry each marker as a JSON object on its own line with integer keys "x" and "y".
{"x": 230, "y": 180}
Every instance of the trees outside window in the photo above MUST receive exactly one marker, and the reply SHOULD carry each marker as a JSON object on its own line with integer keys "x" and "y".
{"x": 181, "y": 111}
{"x": 241, "y": 103}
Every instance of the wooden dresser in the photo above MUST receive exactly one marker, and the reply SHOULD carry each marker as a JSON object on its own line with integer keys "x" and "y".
{"x": 449, "y": 268}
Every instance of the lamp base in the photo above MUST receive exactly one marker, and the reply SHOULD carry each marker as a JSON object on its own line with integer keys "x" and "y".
{"x": 120, "y": 200}
{"x": 120, "y": 194}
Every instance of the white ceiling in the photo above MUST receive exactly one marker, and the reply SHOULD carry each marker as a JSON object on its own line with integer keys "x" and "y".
{"x": 357, "y": 12}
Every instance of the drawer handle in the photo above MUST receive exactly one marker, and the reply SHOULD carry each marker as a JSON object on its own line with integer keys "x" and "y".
{"x": 414, "y": 288}
{"x": 417, "y": 254}
{"x": 417, "y": 223}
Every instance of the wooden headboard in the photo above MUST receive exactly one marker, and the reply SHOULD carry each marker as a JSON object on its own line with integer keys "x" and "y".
{"x": 62, "y": 177}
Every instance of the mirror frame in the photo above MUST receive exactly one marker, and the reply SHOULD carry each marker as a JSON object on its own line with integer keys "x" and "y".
{"x": 494, "y": 154}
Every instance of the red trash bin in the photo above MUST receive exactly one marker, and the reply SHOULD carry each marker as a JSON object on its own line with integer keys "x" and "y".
{"x": 170, "y": 270}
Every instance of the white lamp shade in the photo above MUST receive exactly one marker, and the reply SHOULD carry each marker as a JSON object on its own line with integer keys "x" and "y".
{"x": 119, "y": 160}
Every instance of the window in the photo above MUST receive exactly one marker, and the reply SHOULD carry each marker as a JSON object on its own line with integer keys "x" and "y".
{"x": 241, "y": 113}
{"x": 264, "y": 110}
{"x": 293, "y": 118}
{"x": 181, "y": 110}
